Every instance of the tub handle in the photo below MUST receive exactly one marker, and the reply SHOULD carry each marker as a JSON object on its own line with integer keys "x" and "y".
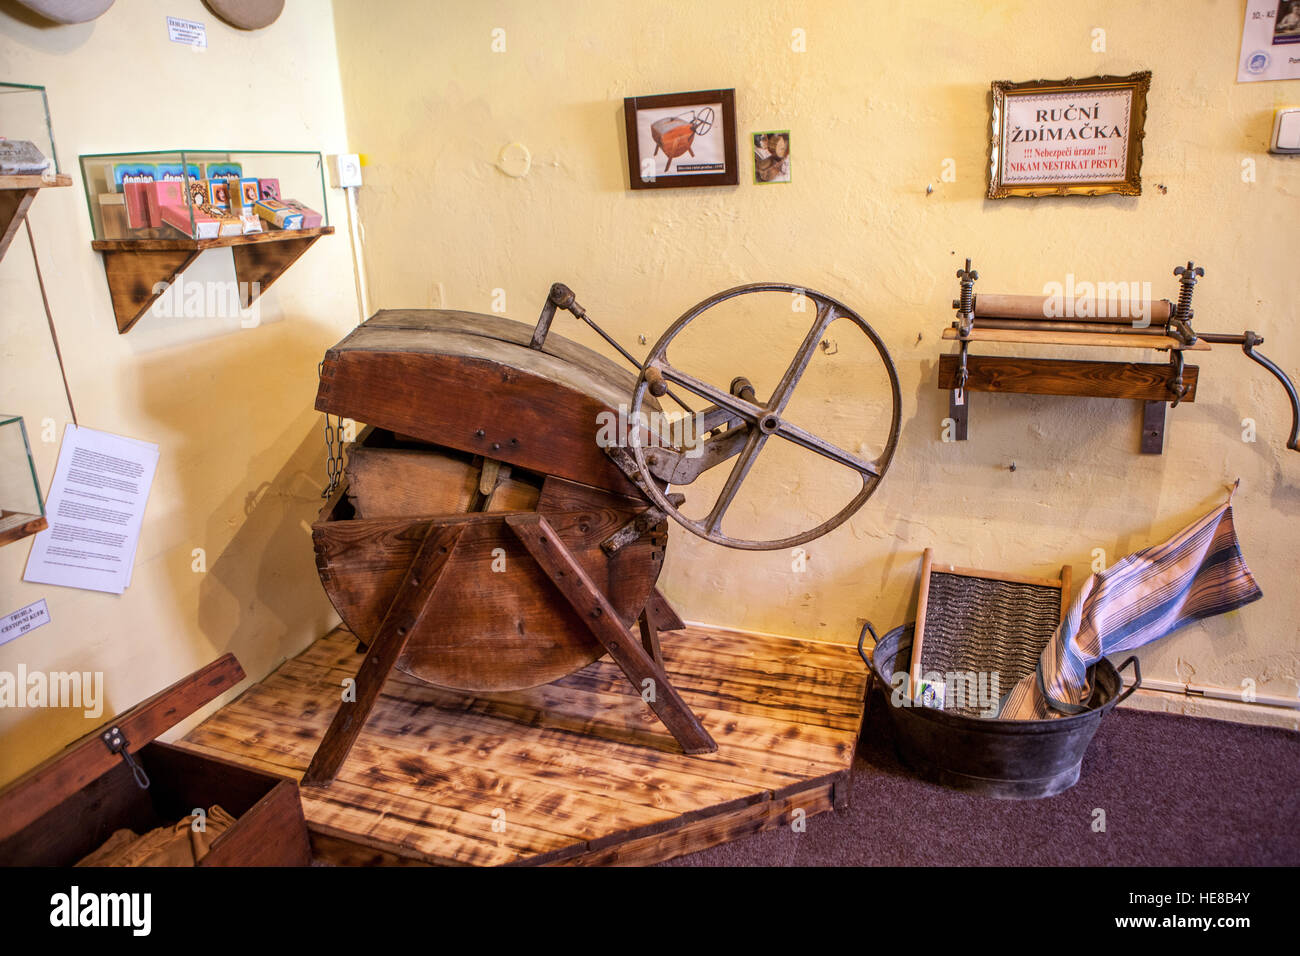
{"x": 1137, "y": 678}
{"x": 866, "y": 626}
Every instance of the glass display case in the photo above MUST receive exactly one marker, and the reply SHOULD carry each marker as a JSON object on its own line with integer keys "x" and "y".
{"x": 25, "y": 118}
{"x": 22, "y": 512}
{"x": 204, "y": 194}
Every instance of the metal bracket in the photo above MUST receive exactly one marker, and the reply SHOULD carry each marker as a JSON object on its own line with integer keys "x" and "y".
{"x": 117, "y": 743}
{"x": 959, "y": 412}
{"x": 1153, "y": 428}
{"x": 1176, "y": 384}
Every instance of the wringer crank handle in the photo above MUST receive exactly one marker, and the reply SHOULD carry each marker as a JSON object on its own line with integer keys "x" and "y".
{"x": 1180, "y": 326}
{"x": 749, "y": 423}
{"x": 1248, "y": 340}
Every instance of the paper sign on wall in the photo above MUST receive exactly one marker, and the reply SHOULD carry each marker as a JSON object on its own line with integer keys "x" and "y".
{"x": 95, "y": 509}
{"x": 189, "y": 32}
{"x": 1270, "y": 41}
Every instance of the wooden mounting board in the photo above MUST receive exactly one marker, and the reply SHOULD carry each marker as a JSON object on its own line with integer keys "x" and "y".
{"x": 1116, "y": 340}
{"x": 1070, "y": 377}
{"x": 139, "y": 270}
{"x": 575, "y": 772}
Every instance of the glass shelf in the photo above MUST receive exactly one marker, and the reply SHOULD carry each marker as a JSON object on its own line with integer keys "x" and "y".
{"x": 22, "y": 512}
{"x": 25, "y": 115}
{"x": 204, "y": 194}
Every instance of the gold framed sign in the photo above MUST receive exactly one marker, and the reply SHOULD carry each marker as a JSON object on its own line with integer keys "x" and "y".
{"x": 1068, "y": 137}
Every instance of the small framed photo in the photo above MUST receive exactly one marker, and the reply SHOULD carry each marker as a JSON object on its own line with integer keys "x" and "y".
{"x": 1068, "y": 137}
{"x": 772, "y": 156}
{"x": 681, "y": 139}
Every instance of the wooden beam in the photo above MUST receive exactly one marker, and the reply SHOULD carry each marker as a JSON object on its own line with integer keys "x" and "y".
{"x": 1066, "y": 572}
{"x": 72, "y": 769}
{"x": 1116, "y": 340}
{"x": 602, "y": 620}
{"x": 650, "y": 639}
{"x": 405, "y": 614}
{"x": 1036, "y": 376}
{"x": 918, "y": 632}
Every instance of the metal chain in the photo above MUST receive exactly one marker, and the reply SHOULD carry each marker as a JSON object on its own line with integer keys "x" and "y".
{"x": 333, "y": 450}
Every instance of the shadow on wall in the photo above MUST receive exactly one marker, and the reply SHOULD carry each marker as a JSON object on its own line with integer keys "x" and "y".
{"x": 261, "y": 598}
{"x": 243, "y": 486}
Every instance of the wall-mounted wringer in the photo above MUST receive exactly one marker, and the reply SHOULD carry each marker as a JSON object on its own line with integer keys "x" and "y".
{"x": 1048, "y": 320}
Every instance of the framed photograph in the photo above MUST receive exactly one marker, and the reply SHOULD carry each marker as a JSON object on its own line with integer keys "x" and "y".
{"x": 772, "y": 156}
{"x": 681, "y": 139}
{"x": 1068, "y": 137}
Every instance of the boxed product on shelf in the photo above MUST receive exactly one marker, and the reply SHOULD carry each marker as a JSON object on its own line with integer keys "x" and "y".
{"x": 220, "y": 192}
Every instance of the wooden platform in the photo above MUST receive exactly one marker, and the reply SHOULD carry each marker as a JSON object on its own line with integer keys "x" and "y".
{"x": 575, "y": 772}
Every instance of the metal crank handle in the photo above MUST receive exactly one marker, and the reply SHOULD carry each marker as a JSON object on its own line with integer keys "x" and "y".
{"x": 1248, "y": 341}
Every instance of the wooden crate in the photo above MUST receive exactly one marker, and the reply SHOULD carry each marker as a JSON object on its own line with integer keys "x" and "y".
{"x": 68, "y": 806}
{"x": 575, "y": 772}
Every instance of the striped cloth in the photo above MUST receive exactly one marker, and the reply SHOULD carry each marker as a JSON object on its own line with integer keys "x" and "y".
{"x": 1197, "y": 573}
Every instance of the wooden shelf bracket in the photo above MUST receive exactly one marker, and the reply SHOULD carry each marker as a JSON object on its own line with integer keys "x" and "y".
{"x": 140, "y": 270}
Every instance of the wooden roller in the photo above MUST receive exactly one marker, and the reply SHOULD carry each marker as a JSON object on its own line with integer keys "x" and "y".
{"x": 991, "y": 305}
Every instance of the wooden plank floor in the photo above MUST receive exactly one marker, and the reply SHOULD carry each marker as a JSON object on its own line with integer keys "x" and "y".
{"x": 578, "y": 772}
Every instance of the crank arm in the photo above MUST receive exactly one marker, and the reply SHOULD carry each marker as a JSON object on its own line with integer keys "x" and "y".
{"x": 681, "y": 468}
{"x": 1248, "y": 341}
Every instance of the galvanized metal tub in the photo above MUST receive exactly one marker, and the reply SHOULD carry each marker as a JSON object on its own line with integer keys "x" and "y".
{"x": 1008, "y": 759}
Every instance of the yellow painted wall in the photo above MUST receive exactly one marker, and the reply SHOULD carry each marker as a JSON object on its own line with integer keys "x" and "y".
{"x": 883, "y": 95}
{"x": 241, "y": 461}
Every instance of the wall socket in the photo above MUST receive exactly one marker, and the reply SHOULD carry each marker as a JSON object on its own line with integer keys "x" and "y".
{"x": 1286, "y": 130}
{"x": 345, "y": 170}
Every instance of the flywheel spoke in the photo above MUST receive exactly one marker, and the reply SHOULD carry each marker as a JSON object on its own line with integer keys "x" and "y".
{"x": 748, "y": 455}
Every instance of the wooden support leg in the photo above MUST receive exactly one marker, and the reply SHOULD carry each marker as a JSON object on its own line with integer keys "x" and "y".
{"x": 408, "y": 609}
{"x": 662, "y": 614}
{"x": 650, "y": 639}
{"x": 598, "y": 614}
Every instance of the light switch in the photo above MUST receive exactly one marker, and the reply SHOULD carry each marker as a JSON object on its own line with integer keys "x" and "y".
{"x": 345, "y": 170}
{"x": 1286, "y": 130}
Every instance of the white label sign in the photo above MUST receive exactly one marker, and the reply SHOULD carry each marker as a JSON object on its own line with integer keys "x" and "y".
{"x": 23, "y": 620}
{"x": 1066, "y": 138}
{"x": 189, "y": 32}
{"x": 1270, "y": 41}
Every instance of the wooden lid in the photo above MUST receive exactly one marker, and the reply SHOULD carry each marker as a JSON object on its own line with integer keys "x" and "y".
{"x": 33, "y": 794}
